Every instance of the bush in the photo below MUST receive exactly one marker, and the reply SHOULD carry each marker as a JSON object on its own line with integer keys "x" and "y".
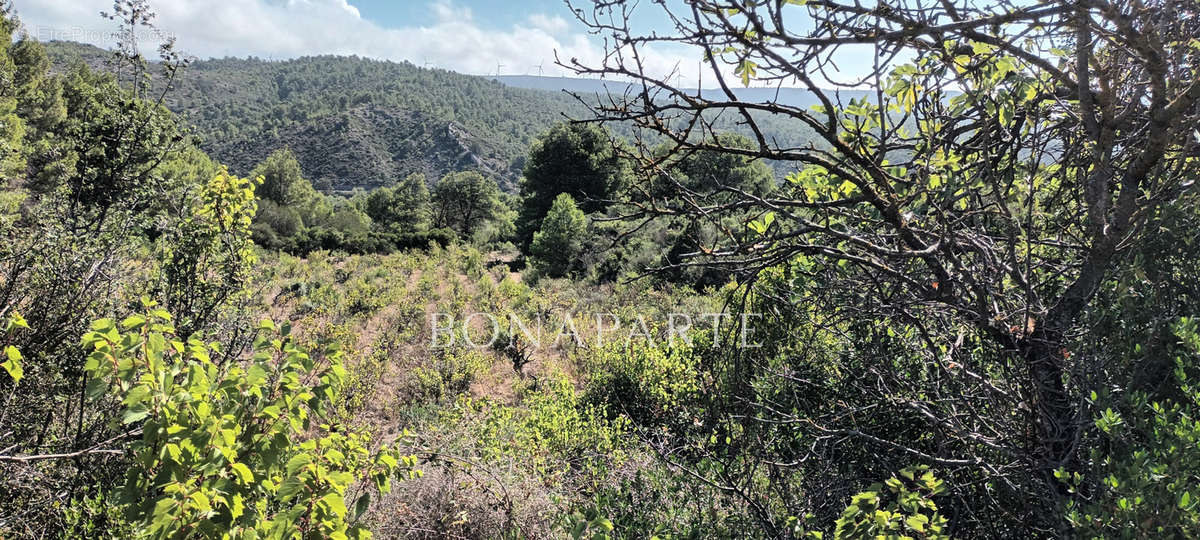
{"x": 1147, "y": 462}
{"x": 650, "y": 384}
{"x": 449, "y": 374}
{"x": 245, "y": 450}
{"x": 904, "y": 509}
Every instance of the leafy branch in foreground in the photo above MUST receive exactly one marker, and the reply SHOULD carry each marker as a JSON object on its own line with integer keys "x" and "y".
{"x": 961, "y": 222}
{"x": 250, "y": 449}
{"x": 12, "y": 356}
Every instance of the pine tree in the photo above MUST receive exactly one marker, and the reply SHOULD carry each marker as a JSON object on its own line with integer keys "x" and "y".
{"x": 403, "y": 208}
{"x": 557, "y": 246}
{"x": 577, "y": 159}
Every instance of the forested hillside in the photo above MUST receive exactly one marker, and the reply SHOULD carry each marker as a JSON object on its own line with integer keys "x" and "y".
{"x": 353, "y": 122}
{"x": 359, "y": 123}
{"x": 789, "y": 95}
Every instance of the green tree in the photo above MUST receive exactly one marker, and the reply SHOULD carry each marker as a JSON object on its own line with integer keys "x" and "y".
{"x": 12, "y": 127}
{"x": 100, "y": 182}
{"x": 402, "y": 208}
{"x": 557, "y": 246}
{"x": 283, "y": 182}
{"x": 711, "y": 173}
{"x": 577, "y": 159}
{"x": 348, "y": 218}
{"x": 44, "y": 108}
{"x": 463, "y": 201}
{"x": 118, "y": 141}
{"x": 961, "y": 222}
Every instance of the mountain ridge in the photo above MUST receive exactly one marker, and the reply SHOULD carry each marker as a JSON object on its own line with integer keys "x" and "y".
{"x": 352, "y": 122}
{"x": 356, "y": 123}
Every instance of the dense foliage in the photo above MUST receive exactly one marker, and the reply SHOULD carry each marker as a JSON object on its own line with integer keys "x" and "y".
{"x": 232, "y": 450}
{"x": 464, "y": 202}
{"x": 577, "y": 159}
{"x": 558, "y": 244}
{"x": 938, "y": 275}
{"x": 355, "y": 122}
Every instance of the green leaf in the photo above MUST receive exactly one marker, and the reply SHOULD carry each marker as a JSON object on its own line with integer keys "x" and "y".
{"x": 238, "y": 507}
{"x": 747, "y": 70}
{"x": 17, "y": 320}
{"x": 335, "y": 504}
{"x": 362, "y": 504}
{"x": 201, "y": 502}
{"x": 299, "y": 461}
{"x": 917, "y": 522}
{"x": 136, "y": 395}
{"x": 243, "y": 473}
{"x": 135, "y": 321}
{"x": 13, "y": 364}
{"x": 289, "y": 488}
{"x": 135, "y": 414}
{"x": 96, "y": 388}
{"x": 1006, "y": 115}
{"x": 161, "y": 314}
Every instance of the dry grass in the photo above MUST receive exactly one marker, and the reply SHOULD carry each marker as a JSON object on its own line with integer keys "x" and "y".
{"x": 380, "y": 308}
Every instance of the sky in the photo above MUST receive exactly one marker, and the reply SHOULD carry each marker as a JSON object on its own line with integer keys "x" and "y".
{"x": 479, "y": 37}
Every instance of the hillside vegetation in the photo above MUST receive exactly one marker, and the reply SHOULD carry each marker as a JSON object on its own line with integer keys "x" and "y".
{"x": 360, "y": 123}
{"x": 354, "y": 122}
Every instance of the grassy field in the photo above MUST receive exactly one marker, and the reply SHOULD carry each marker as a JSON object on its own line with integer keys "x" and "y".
{"x": 509, "y": 440}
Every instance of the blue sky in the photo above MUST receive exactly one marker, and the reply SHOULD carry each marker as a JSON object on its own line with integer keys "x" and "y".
{"x": 496, "y": 14}
{"x": 479, "y": 37}
{"x": 469, "y": 36}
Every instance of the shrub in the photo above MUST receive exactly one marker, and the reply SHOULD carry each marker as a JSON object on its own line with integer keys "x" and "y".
{"x": 552, "y": 433}
{"x": 902, "y": 507}
{"x": 207, "y": 256}
{"x": 1147, "y": 462}
{"x": 648, "y": 383}
{"x": 449, "y": 374}
{"x": 242, "y": 450}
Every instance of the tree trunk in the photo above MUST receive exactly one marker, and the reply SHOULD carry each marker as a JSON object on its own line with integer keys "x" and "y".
{"x": 1056, "y": 421}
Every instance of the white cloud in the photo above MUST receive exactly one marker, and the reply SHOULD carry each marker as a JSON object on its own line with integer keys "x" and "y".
{"x": 548, "y": 24}
{"x": 291, "y": 28}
